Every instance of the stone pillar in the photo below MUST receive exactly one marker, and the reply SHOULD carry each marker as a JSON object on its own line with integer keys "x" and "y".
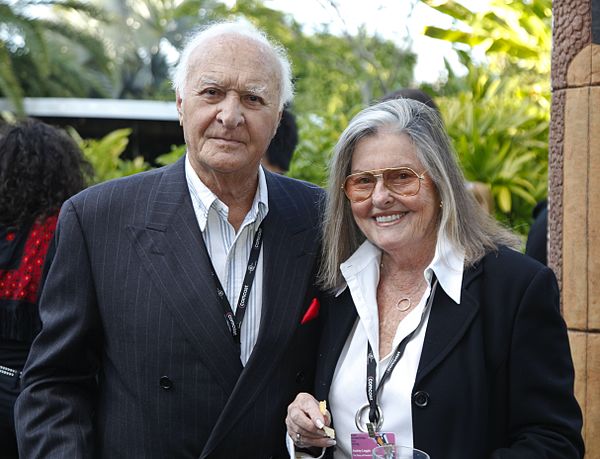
{"x": 574, "y": 195}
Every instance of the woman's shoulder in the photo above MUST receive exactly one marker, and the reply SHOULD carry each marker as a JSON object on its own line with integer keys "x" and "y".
{"x": 508, "y": 284}
{"x": 507, "y": 275}
{"x": 510, "y": 260}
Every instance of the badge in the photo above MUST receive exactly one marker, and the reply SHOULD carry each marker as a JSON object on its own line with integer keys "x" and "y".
{"x": 362, "y": 444}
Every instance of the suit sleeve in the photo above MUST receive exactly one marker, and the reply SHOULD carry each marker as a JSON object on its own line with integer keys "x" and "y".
{"x": 545, "y": 419}
{"x": 55, "y": 410}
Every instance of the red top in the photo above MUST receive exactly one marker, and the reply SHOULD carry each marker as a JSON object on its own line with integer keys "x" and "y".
{"x": 22, "y": 283}
{"x": 22, "y": 255}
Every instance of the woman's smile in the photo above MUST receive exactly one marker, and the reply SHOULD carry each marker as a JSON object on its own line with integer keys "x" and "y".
{"x": 387, "y": 220}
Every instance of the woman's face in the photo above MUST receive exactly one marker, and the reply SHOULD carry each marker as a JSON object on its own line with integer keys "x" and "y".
{"x": 404, "y": 225}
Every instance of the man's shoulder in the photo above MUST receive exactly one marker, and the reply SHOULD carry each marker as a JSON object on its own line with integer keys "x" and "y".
{"x": 136, "y": 183}
{"x": 300, "y": 202}
{"x": 127, "y": 197}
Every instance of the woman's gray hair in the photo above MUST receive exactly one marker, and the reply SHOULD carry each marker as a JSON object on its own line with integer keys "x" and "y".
{"x": 463, "y": 221}
{"x": 245, "y": 29}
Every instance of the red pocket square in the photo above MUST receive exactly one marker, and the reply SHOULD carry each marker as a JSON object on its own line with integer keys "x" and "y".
{"x": 312, "y": 311}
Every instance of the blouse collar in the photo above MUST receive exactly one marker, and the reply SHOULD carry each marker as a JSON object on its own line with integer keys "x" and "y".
{"x": 447, "y": 265}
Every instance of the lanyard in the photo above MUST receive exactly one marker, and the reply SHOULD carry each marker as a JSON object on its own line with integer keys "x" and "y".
{"x": 234, "y": 321}
{"x": 373, "y": 389}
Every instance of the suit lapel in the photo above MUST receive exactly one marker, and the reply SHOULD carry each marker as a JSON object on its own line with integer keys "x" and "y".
{"x": 448, "y": 322}
{"x": 340, "y": 317}
{"x": 289, "y": 258}
{"x": 170, "y": 247}
{"x": 288, "y": 261}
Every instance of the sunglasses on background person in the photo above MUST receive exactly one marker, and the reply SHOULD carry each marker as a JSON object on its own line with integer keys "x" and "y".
{"x": 402, "y": 181}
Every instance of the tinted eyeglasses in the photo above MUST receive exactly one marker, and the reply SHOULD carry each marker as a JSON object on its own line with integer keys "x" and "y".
{"x": 402, "y": 181}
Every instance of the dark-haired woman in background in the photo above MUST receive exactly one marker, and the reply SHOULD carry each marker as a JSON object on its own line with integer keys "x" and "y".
{"x": 40, "y": 167}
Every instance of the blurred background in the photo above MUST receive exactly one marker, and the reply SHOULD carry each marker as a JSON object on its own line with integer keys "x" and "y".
{"x": 101, "y": 68}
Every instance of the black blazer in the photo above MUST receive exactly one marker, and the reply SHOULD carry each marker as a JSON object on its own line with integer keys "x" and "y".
{"x": 495, "y": 379}
{"x": 135, "y": 359}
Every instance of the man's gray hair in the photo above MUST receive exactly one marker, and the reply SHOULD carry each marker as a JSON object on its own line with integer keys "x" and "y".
{"x": 245, "y": 29}
{"x": 463, "y": 221}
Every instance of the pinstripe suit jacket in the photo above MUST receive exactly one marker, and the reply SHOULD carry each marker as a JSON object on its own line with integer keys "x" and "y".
{"x": 135, "y": 359}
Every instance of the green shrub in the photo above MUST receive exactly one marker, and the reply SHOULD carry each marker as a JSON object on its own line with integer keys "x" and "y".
{"x": 105, "y": 155}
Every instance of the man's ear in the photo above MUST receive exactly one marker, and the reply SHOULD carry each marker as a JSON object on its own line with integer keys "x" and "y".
{"x": 178, "y": 102}
{"x": 278, "y": 121}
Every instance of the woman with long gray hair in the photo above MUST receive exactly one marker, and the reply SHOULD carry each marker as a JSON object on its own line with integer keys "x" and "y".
{"x": 438, "y": 334}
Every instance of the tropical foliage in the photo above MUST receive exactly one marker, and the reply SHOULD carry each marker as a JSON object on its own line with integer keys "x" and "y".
{"x": 44, "y": 54}
{"x": 142, "y": 39}
{"x": 510, "y": 32}
{"x": 496, "y": 111}
{"x": 501, "y": 139}
{"x": 105, "y": 155}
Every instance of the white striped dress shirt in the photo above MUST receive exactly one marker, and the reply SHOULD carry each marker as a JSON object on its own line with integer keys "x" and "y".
{"x": 229, "y": 251}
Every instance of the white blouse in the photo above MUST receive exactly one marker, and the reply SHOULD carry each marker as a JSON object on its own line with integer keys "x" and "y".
{"x": 348, "y": 394}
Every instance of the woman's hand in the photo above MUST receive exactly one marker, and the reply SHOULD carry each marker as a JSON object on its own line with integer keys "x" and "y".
{"x": 305, "y": 423}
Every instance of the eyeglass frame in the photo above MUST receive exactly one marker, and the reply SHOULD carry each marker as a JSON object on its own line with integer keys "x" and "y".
{"x": 380, "y": 173}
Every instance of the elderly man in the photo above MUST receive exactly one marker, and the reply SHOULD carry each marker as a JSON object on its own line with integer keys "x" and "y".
{"x": 179, "y": 309}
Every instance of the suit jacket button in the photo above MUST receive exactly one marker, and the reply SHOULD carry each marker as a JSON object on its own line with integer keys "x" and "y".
{"x": 166, "y": 383}
{"x": 421, "y": 398}
{"x": 300, "y": 377}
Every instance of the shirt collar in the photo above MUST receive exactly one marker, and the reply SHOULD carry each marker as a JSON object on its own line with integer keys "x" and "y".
{"x": 204, "y": 199}
{"x": 447, "y": 265}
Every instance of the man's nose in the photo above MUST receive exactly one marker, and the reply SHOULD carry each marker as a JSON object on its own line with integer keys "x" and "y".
{"x": 230, "y": 111}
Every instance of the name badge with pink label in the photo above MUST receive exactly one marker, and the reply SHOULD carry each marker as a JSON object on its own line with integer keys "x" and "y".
{"x": 363, "y": 444}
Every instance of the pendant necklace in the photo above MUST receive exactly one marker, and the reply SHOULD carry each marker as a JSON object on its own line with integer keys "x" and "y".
{"x": 405, "y": 303}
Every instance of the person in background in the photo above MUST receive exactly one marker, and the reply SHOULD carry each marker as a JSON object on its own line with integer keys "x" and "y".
{"x": 414, "y": 94}
{"x": 40, "y": 167}
{"x": 437, "y": 330}
{"x": 180, "y": 312}
{"x": 537, "y": 239}
{"x": 281, "y": 149}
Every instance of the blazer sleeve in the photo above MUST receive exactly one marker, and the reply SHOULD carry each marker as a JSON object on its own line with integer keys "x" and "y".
{"x": 544, "y": 417}
{"x": 54, "y": 412}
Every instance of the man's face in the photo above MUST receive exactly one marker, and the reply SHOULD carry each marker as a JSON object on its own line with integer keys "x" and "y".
{"x": 229, "y": 108}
